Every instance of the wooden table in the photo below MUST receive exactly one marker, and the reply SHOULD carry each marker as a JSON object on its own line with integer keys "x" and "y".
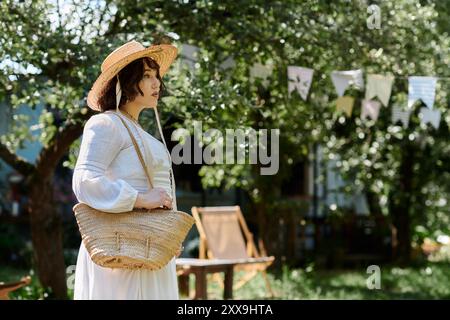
{"x": 6, "y": 288}
{"x": 201, "y": 267}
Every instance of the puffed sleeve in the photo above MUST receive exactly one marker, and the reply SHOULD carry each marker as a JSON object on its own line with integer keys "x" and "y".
{"x": 100, "y": 144}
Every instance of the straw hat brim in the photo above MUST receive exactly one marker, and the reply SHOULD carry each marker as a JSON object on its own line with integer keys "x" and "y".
{"x": 163, "y": 54}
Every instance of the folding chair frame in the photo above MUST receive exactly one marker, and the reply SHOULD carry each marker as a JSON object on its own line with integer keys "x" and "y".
{"x": 252, "y": 251}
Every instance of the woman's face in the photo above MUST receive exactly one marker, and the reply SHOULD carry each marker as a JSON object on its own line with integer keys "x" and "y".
{"x": 150, "y": 87}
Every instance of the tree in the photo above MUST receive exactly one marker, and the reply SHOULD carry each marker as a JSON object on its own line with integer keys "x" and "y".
{"x": 47, "y": 63}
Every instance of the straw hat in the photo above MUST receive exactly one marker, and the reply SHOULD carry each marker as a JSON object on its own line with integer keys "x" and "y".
{"x": 163, "y": 54}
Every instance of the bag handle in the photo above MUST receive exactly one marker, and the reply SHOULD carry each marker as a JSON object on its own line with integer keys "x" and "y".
{"x": 141, "y": 158}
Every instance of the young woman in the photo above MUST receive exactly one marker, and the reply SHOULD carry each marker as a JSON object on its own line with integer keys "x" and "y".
{"x": 108, "y": 175}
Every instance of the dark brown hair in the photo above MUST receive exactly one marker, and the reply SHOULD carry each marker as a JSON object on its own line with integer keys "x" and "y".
{"x": 129, "y": 77}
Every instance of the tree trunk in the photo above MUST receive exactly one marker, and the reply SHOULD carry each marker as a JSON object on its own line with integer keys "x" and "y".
{"x": 402, "y": 223}
{"x": 46, "y": 233}
{"x": 373, "y": 202}
{"x": 400, "y": 207}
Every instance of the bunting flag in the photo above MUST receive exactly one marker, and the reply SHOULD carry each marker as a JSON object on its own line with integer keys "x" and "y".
{"x": 345, "y": 104}
{"x": 401, "y": 115}
{"x": 228, "y": 63}
{"x": 261, "y": 71}
{"x": 371, "y": 109}
{"x": 379, "y": 86}
{"x": 343, "y": 79}
{"x": 299, "y": 79}
{"x": 430, "y": 116}
{"x": 189, "y": 54}
{"x": 423, "y": 88}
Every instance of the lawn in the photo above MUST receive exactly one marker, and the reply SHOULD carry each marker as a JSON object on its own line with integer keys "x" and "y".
{"x": 429, "y": 281}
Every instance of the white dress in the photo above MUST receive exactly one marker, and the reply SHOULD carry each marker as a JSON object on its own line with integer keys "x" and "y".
{"x": 108, "y": 177}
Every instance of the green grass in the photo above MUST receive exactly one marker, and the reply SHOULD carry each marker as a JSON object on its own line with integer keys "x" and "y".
{"x": 429, "y": 281}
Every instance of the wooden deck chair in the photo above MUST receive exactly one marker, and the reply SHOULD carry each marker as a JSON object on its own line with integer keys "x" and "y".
{"x": 6, "y": 288}
{"x": 224, "y": 235}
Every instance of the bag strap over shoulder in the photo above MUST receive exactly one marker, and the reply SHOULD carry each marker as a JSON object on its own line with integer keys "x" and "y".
{"x": 141, "y": 158}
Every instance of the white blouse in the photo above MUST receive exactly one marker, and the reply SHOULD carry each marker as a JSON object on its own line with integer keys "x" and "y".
{"x": 108, "y": 176}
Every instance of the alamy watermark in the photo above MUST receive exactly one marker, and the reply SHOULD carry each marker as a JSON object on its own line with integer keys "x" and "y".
{"x": 374, "y": 280}
{"x": 251, "y": 147}
{"x": 70, "y": 276}
{"x": 374, "y": 20}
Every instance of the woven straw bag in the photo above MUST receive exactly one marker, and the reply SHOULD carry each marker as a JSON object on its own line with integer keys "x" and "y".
{"x": 138, "y": 239}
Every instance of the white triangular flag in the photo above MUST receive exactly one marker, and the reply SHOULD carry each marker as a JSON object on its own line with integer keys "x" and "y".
{"x": 299, "y": 79}
{"x": 343, "y": 79}
{"x": 261, "y": 71}
{"x": 379, "y": 86}
{"x": 423, "y": 88}
{"x": 430, "y": 116}
{"x": 371, "y": 109}
{"x": 401, "y": 115}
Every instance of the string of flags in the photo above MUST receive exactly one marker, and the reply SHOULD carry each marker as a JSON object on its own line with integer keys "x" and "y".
{"x": 378, "y": 89}
{"x": 377, "y": 86}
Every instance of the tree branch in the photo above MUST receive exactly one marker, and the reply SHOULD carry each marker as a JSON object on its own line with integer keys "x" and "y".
{"x": 112, "y": 29}
{"x": 50, "y": 156}
{"x": 102, "y": 16}
{"x": 16, "y": 162}
{"x": 58, "y": 10}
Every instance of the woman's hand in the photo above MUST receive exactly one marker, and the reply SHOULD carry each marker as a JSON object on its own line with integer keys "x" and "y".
{"x": 155, "y": 198}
